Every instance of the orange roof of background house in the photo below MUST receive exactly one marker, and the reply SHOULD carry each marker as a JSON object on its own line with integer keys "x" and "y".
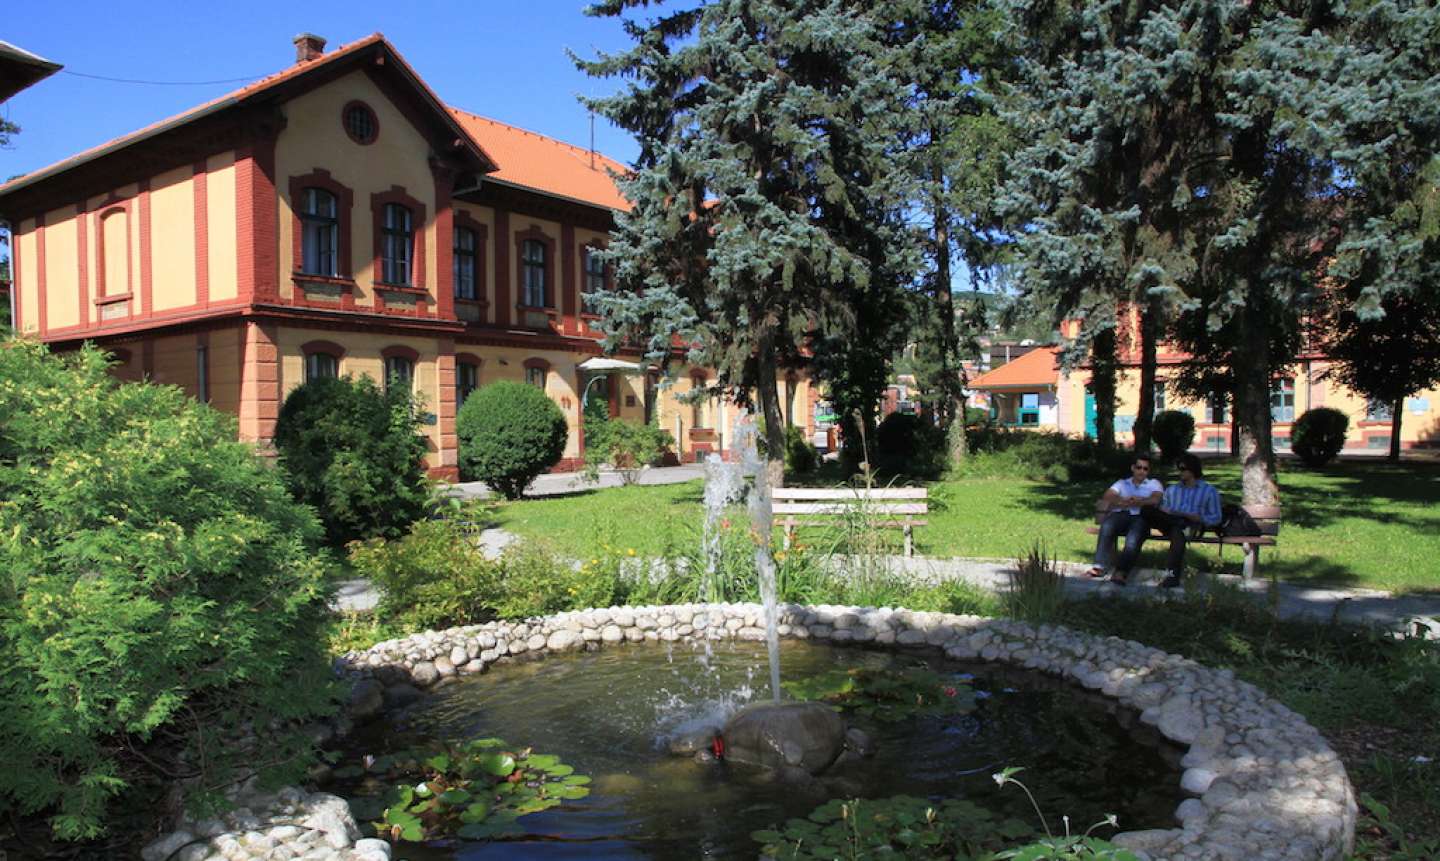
{"x": 545, "y": 164}
{"x": 1036, "y": 368}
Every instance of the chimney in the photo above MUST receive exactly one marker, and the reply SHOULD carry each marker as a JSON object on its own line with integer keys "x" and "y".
{"x": 308, "y": 47}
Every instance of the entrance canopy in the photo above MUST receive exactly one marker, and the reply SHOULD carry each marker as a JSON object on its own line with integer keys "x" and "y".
{"x": 601, "y": 364}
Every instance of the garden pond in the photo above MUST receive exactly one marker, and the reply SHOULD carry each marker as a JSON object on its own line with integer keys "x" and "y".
{"x": 941, "y": 729}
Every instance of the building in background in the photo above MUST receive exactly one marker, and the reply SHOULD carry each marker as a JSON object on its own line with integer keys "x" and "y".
{"x": 338, "y": 218}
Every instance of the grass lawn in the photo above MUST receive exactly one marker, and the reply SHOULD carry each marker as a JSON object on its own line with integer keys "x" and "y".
{"x": 1357, "y": 523}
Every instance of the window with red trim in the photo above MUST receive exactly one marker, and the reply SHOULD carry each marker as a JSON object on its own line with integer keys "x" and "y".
{"x": 597, "y": 280}
{"x": 533, "y": 274}
{"x": 360, "y": 123}
{"x": 320, "y": 366}
{"x": 398, "y": 245}
{"x": 320, "y": 239}
{"x": 467, "y": 243}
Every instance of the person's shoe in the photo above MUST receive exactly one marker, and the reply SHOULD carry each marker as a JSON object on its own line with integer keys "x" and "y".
{"x": 1172, "y": 581}
{"x": 1097, "y": 572}
{"x": 1118, "y": 579}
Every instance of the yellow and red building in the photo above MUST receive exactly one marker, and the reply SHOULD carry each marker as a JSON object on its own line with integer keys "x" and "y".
{"x": 338, "y": 218}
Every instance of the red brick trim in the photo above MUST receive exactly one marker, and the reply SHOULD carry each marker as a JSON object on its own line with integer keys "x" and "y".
{"x": 570, "y": 308}
{"x": 502, "y": 268}
{"x": 399, "y": 351}
{"x": 147, "y": 265}
{"x": 329, "y": 348}
{"x": 257, "y": 222}
{"x": 42, "y": 303}
{"x": 536, "y": 234}
{"x": 536, "y": 362}
{"x": 374, "y": 121}
{"x": 482, "y": 235}
{"x": 378, "y": 202}
{"x": 198, "y": 175}
{"x": 444, "y": 241}
{"x": 82, "y": 263}
{"x": 469, "y": 359}
{"x": 344, "y": 205}
{"x": 14, "y": 285}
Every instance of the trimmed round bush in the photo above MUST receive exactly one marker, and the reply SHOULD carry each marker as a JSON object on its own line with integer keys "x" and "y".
{"x": 509, "y": 433}
{"x": 1318, "y": 435}
{"x": 162, "y": 593}
{"x": 353, "y": 452}
{"x": 1173, "y": 433}
{"x": 800, "y": 454}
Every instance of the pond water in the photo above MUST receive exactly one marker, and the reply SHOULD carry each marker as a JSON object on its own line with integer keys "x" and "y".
{"x": 607, "y": 714}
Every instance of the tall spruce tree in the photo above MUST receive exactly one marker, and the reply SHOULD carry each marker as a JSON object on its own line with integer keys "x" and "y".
{"x": 766, "y": 213}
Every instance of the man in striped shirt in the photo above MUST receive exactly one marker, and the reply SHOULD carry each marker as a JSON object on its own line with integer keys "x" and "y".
{"x": 1189, "y": 503}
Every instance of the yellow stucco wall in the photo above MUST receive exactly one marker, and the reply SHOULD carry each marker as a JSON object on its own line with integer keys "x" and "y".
{"x": 29, "y": 278}
{"x": 314, "y": 138}
{"x": 175, "y": 362}
{"x": 62, "y": 268}
{"x": 172, "y": 239}
{"x": 220, "y": 227}
{"x": 225, "y": 352}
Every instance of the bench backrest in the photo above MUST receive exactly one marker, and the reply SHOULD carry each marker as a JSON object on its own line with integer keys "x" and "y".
{"x": 838, "y": 500}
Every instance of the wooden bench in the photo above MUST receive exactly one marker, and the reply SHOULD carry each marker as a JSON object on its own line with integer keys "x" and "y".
{"x": 1266, "y": 516}
{"x": 807, "y": 506}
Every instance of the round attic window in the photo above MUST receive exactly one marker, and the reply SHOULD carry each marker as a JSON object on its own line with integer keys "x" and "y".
{"x": 360, "y": 123}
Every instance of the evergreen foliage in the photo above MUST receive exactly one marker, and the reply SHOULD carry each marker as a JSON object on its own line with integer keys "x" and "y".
{"x": 766, "y": 211}
{"x": 353, "y": 452}
{"x": 509, "y": 433}
{"x": 1318, "y": 435}
{"x": 1199, "y": 156}
{"x": 161, "y": 594}
{"x": 1174, "y": 432}
{"x": 910, "y": 445}
{"x": 800, "y": 454}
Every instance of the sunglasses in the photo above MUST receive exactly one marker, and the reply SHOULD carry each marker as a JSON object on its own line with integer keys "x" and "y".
{"x": 1138, "y": 466}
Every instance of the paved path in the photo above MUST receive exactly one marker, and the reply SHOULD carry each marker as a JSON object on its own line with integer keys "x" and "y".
{"x": 561, "y": 483}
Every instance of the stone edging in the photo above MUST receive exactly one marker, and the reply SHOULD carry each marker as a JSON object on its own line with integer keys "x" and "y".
{"x": 1265, "y": 783}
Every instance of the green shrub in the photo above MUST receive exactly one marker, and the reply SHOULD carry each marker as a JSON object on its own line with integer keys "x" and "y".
{"x": 1318, "y": 435}
{"x": 161, "y": 593}
{"x": 353, "y": 452}
{"x": 627, "y": 446}
{"x": 800, "y": 455}
{"x": 909, "y": 445}
{"x": 434, "y": 577}
{"x": 509, "y": 433}
{"x": 537, "y": 582}
{"x": 1173, "y": 432}
{"x": 1040, "y": 456}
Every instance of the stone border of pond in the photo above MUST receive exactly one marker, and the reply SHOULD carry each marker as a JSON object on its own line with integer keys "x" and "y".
{"x": 1263, "y": 782}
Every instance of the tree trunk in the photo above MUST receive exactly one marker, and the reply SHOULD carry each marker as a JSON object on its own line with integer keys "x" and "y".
{"x": 769, "y": 394}
{"x": 1145, "y": 412}
{"x": 951, "y": 403}
{"x": 1252, "y": 407}
{"x": 1102, "y": 386}
{"x": 1396, "y": 415}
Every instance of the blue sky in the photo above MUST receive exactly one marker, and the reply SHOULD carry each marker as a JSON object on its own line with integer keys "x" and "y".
{"x": 503, "y": 59}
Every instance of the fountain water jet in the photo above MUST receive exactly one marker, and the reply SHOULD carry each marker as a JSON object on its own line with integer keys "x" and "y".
{"x": 762, "y": 523}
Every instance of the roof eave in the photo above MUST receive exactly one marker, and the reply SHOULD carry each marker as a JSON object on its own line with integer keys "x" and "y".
{"x": 491, "y": 180}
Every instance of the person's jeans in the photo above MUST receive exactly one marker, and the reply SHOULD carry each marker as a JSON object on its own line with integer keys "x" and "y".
{"x": 1117, "y": 523}
{"x": 1174, "y": 527}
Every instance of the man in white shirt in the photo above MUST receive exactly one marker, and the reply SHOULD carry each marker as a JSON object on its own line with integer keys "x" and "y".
{"x": 1125, "y": 501}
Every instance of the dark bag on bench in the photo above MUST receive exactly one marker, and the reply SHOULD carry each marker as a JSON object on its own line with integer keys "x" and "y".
{"x": 1236, "y": 522}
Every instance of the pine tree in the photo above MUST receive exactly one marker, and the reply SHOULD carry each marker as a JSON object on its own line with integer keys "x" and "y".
{"x": 766, "y": 212}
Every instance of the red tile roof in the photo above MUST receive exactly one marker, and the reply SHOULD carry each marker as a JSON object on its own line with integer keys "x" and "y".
{"x": 1038, "y": 367}
{"x": 545, "y": 164}
{"x": 250, "y": 91}
{"x": 524, "y": 158}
